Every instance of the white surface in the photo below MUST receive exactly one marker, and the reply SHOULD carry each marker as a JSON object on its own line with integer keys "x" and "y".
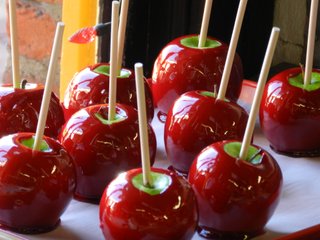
{"x": 298, "y": 208}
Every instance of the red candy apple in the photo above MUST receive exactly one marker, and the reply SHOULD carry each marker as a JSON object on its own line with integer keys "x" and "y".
{"x": 181, "y": 66}
{"x": 290, "y": 113}
{"x": 91, "y": 86}
{"x": 36, "y": 186}
{"x": 19, "y": 110}
{"x": 197, "y": 119}
{"x": 235, "y": 197}
{"x": 101, "y": 149}
{"x": 129, "y": 210}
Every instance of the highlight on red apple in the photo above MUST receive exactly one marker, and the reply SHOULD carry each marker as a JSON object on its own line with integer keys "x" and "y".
{"x": 90, "y": 86}
{"x": 290, "y": 113}
{"x": 195, "y": 120}
{"x": 131, "y": 210}
{"x": 182, "y": 66}
{"x": 236, "y": 197}
{"x": 102, "y": 148}
{"x": 36, "y": 185}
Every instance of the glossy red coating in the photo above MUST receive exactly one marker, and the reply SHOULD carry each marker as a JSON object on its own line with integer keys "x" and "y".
{"x": 179, "y": 69}
{"x": 236, "y": 198}
{"x": 19, "y": 110}
{"x": 195, "y": 121}
{"x": 128, "y": 213}
{"x": 101, "y": 151}
{"x": 36, "y": 187}
{"x": 88, "y": 88}
{"x": 290, "y": 116}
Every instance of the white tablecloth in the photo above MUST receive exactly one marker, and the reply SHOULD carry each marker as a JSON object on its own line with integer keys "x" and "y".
{"x": 299, "y": 205}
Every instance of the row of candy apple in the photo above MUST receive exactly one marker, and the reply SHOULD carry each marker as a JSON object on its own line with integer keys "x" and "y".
{"x": 90, "y": 146}
{"x": 100, "y": 115}
{"x": 51, "y": 191}
{"x": 73, "y": 133}
{"x": 129, "y": 186}
{"x": 183, "y": 66}
{"x": 90, "y": 86}
{"x": 37, "y": 183}
{"x": 236, "y": 186}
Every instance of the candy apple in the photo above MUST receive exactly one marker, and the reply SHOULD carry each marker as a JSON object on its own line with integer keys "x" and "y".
{"x": 19, "y": 110}
{"x": 181, "y": 66}
{"x": 130, "y": 210}
{"x": 91, "y": 86}
{"x": 195, "y": 120}
{"x": 101, "y": 149}
{"x": 36, "y": 186}
{"x": 290, "y": 113}
{"x": 235, "y": 197}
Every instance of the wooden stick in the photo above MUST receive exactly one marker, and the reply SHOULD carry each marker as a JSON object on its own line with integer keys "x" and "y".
{"x": 311, "y": 41}
{"x": 205, "y": 24}
{"x": 232, "y": 49}
{"x": 56, "y": 51}
{"x": 122, "y": 32}
{"x": 113, "y": 61}
{"x": 259, "y": 91}
{"x": 14, "y": 44}
{"x": 143, "y": 126}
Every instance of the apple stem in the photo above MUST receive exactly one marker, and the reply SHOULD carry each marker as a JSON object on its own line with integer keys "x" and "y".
{"x": 56, "y": 50}
{"x": 113, "y": 61}
{"x": 23, "y": 83}
{"x": 122, "y": 31}
{"x": 311, "y": 41}
{"x": 232, "y": 49}
{"x": 215, "y": 92}
{"x": 205, "y": 24}
{"x": 14, "y": 44}
{"x": 258, "y": 94}
{"x": 143, "y": 126}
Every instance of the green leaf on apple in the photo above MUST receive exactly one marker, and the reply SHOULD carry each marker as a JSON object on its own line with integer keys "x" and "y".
{"x": 233, "y": 149}
{"x": 29, "y": 142}
{"x": 117, "y": 118}
{"x": 105, "y": 70}
{"x": 160, "y": 183}
{"x": 298, "y": 81}
{"x": 193, "y": 42}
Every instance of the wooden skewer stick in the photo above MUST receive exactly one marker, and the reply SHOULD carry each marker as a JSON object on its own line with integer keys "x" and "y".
{"x": 232, "y": 49}
{"x": 311, "y": 41}
{"x": 259, "y": 91}
{"x": 143, "y": 126}
{"x": 56, "y": 51}
{"x": 14, "y": 44}
{"x": 205, "y": 24}
{"x": 122, "y": 32}
{"x": 113, "y": 61}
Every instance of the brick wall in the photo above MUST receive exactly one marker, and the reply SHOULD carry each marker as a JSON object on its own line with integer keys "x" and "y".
{"x": 36, "y": 23}
{"x": 291, "y": 17}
